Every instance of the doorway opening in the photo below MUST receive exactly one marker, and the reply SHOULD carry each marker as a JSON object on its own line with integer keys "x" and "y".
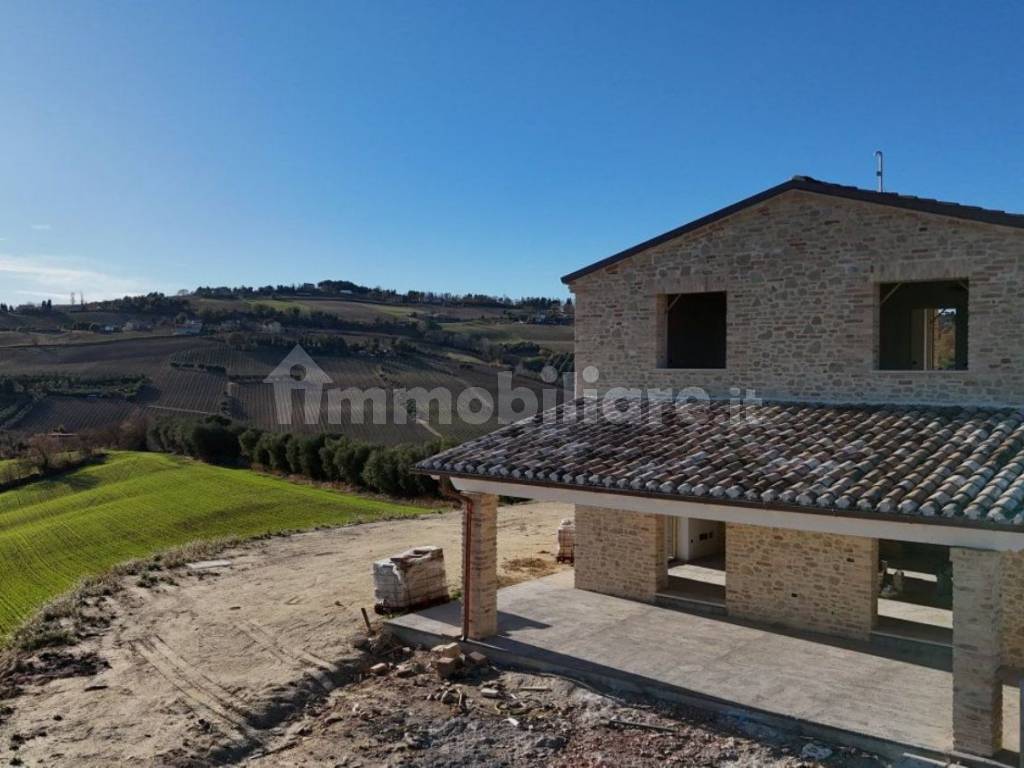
{"x": 915, "y": 592}
{"x": 695, "y": 558}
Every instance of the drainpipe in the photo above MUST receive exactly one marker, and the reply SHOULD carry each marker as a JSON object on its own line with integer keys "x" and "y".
{"x": 449, "y": 491}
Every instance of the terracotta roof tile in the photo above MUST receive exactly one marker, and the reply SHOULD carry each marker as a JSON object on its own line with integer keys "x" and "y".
{"x": 958, "y": 464}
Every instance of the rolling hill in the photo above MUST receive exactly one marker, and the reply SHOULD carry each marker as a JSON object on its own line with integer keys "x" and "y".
{"x": 369, "y": 344}
{"x": 55, "y": 532}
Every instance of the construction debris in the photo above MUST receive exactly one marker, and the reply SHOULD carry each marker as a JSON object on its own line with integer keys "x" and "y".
{"x": 446, "y": 666}
{"x": 414, "y": 579}
{"x": 450, "y": 651}
{"x": 567, "y": 541}
{"x": 814, "y": 751}
{"x": 482, "y": 715}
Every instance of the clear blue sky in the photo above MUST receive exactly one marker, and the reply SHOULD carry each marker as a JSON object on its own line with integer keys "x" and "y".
{"x": 465, "y": 146}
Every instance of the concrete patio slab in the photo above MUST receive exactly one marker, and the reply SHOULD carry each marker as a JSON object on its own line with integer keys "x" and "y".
{"x": 827, "y": 688}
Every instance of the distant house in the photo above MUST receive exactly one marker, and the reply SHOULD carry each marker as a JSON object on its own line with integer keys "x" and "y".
{"x": 272, "y": 327}
{"x": 137, "y": 325}
{"x": 189, "y": 328}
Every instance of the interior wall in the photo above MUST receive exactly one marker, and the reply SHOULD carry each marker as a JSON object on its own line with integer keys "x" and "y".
{"x": 696, "y": 538}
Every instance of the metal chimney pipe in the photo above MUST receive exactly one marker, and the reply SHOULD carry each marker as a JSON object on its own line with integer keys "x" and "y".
{"x": 879, "y": 170}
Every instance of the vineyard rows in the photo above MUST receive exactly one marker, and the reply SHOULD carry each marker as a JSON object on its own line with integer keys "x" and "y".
{"x": 188, "y": 376}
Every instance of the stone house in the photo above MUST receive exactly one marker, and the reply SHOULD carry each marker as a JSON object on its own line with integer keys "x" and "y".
{"x": 790, "y": 383}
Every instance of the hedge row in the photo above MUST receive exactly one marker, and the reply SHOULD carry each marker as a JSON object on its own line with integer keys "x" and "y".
{"x": 217, "y": 440}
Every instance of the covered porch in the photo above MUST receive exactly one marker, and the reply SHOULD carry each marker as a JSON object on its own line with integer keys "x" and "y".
{"x": 803, "y": 496}
{"x": 844, "y": 691}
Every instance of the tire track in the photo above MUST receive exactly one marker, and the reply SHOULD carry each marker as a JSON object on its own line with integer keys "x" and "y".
{"x": 206, "y": 697}
{"x": 284, "y": 652}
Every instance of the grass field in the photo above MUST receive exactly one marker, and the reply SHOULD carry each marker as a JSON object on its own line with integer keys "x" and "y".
{"x": 558, "y": 338}
{"x": 55, "y": 532}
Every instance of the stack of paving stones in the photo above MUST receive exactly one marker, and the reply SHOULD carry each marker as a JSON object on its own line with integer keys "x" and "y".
{"x": 414, "y": 579}
{"x": 960, "y": 463}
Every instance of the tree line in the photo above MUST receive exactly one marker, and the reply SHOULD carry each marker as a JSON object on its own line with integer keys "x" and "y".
{"x": 325, "y": 458}
{"x": 335, "y": 288}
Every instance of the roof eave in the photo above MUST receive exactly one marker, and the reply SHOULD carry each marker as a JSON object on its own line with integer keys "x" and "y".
{"x": 852, "y": 514}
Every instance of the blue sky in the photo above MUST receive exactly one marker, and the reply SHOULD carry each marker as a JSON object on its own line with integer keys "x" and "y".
{"x": 470, "y": 146}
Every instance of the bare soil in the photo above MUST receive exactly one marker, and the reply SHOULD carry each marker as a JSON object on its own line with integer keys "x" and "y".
{"x": 267, "y": 662}
{"x": 203, "y": 663}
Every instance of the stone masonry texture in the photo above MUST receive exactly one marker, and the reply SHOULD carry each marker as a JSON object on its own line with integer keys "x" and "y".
{"x": 977, "y": 651}
{"x": 1013, "y": 610}
{"x": 620, "y": 553}
{"x": 809, "y": 581}
{"x": 801, "y": 272}
{"x": 482, "y": 590}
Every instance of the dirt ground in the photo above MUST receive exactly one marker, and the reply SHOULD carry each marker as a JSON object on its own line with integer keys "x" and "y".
{"x": 267, "y": 662}
{"x": 402, "y": 713}
{"x": 202, "y": 665}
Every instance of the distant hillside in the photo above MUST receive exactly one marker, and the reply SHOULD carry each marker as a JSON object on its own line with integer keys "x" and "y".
{"x": 207, "y": 353}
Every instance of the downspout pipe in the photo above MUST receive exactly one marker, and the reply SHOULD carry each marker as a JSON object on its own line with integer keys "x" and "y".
{"x": 449, "y": 491}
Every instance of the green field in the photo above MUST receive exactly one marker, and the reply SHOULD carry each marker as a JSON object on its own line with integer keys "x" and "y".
{"x": 557, "y": 338}
{"x": 54, "y": 532}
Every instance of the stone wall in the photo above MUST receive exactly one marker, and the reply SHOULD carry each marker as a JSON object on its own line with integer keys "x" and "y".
{"x": 620, "y": 553}
{"x": 801, "y": 272}
{"x": 1013, "y": 610}
{"x": 809, "y": 581}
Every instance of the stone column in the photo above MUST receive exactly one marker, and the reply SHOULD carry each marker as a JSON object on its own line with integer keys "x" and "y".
{"x": 480, "y": 594}
{"x": 620, "y": 553}
{"x": 977, "y": 651}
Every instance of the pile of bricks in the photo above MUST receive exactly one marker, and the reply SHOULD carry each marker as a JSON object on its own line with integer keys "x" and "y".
{"x": 449, "y": 659}
{"x": 414, "y": 579}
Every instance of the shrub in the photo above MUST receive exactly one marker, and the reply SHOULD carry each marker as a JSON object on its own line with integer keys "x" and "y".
{"x": 349, "y": 459}
{"x": 248, "y": 445}
{"x": 309, "y": 457}
{"x": 279, "y": 453}
{"x": 218, "y": 440}
{"x": 214, "y": 443}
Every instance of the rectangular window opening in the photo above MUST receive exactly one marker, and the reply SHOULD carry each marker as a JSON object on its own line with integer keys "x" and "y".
{"x": 923, "y": 326}
{"x": 695, "y": 330}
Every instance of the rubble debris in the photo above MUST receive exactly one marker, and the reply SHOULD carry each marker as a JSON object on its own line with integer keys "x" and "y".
{"x": 414, "y": 579}
{"x": 814, "y": 751}
{"x": 476, "y": 659}
{"x": 450, "y": 651}
{"x": 492, "y": 716}
{"x": 408, "y": 669}
{"x": 380, "y": 669}
{"x": 447, "y": 666}
{"x": 620, "y": 723}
